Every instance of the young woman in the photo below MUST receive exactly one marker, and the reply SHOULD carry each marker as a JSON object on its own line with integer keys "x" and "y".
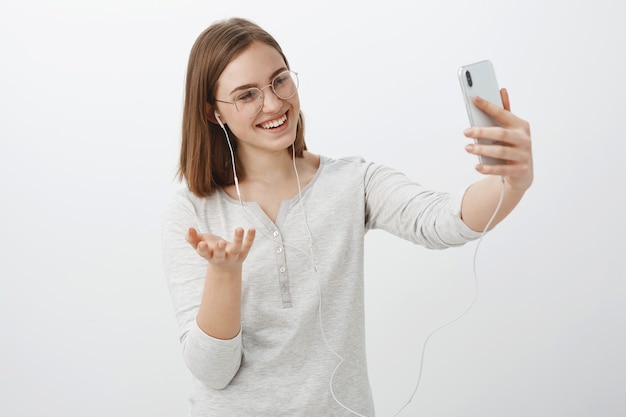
{"x": 263, "y": 250}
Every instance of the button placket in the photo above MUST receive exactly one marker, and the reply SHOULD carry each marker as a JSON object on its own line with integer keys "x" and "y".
{"x": 281, "y": 263}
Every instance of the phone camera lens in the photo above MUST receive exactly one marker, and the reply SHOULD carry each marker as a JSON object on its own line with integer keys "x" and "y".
{"x": 469, "y": 78}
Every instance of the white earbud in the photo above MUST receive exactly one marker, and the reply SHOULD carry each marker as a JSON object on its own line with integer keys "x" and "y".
{"x": 217, "y": 116}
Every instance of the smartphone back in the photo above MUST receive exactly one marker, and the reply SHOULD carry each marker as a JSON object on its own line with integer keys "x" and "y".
{"x": 479, "y": 79}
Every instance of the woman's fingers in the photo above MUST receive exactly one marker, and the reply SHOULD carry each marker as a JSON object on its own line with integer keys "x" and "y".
{"x": 247, "y": 242}
{"x": 241, "y": 243}
{"x": 504, "y": 95}
{"x": 494, "y": 151}
{"x": 511, "y": 137}
{"x": 192, "y": 237}
{"x": 501, "y": 115}
{"x": 219, "y": 251}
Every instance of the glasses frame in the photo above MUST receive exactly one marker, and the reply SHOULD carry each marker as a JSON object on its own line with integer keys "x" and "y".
{"x": 260, "y": 90}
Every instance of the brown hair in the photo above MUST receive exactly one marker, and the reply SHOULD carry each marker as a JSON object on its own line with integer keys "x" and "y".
{"x": 204, "y": 155}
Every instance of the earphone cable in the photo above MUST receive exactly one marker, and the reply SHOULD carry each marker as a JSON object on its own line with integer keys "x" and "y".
{"x": 469, "y": 307}
{"x": 308, "y": 255}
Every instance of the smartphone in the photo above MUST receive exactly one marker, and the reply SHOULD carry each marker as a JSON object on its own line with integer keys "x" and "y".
{"x": 479, "y": 79}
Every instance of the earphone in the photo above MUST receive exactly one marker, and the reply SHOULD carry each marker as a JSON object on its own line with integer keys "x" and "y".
{"x": 232, "y": 159}
{"x": 217, "y": 116}
{"x": 311, "y": 258}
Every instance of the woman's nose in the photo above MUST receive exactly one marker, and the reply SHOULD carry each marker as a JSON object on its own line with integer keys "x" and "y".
{"x": 271, "y": 102}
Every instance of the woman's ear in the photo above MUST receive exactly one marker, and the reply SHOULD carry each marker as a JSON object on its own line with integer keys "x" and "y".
{"x": 212, "y": 115}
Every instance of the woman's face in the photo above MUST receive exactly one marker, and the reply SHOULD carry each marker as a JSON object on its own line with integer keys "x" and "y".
{"x": 273, "y": 128}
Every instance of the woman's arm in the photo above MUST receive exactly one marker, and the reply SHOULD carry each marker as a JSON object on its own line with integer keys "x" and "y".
{"x": 481, "y": 198}
{"x": 219, "y": 315}
{"x": 212, "y": 360}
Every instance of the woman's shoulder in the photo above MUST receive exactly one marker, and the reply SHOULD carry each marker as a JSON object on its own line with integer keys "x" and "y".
{"x": 345, "y": 162}
{"x": 184, "y": 199}
{"x": 353, "y": 169}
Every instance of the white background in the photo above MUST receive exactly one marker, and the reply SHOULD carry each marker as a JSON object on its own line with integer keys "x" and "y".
{"x": 90, "y": 110}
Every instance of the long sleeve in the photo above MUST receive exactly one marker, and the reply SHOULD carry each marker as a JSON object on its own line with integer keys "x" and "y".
{"x": 212, "y": 361}
{"x": 406, "y": 209}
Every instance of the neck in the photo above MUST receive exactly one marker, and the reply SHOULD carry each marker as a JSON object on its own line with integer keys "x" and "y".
{"x": 268, "y": 167}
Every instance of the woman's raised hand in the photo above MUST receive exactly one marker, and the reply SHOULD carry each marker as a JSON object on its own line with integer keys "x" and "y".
{"x": 220, "y": 252}
{"x": 513, "y": 134}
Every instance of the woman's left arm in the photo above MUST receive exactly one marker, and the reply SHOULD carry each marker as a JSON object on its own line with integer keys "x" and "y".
{"x": 513, "y": 134}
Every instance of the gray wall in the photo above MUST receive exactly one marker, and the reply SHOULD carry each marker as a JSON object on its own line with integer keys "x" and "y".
{"x": 91, "y": 98}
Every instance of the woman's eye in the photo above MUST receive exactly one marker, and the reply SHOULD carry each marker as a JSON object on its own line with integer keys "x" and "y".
{"x": 247, "y": 96}
{"x": 281, "y": 79}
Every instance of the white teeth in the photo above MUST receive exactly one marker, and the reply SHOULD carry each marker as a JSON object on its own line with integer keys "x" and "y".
{"x": 274, "y": 123}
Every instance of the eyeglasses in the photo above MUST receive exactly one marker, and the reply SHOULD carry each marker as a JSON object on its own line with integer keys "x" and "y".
{"x": 249, "y": 102}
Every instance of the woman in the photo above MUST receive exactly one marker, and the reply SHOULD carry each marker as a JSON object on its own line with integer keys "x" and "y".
{"x": 272, "y": 321}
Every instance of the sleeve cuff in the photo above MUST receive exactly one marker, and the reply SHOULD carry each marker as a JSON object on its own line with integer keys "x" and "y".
{"x": 456, "y": 206}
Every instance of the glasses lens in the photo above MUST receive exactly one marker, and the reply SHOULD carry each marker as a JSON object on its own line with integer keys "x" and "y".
{"x": 285, "y": 84}
{"x": 249, "y": 102}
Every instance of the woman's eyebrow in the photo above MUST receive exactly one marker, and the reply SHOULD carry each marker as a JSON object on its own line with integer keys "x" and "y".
{"x": 246, "y": 86}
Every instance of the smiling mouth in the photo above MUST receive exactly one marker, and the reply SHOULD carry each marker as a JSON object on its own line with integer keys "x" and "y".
{"x": 272, "y": 124}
